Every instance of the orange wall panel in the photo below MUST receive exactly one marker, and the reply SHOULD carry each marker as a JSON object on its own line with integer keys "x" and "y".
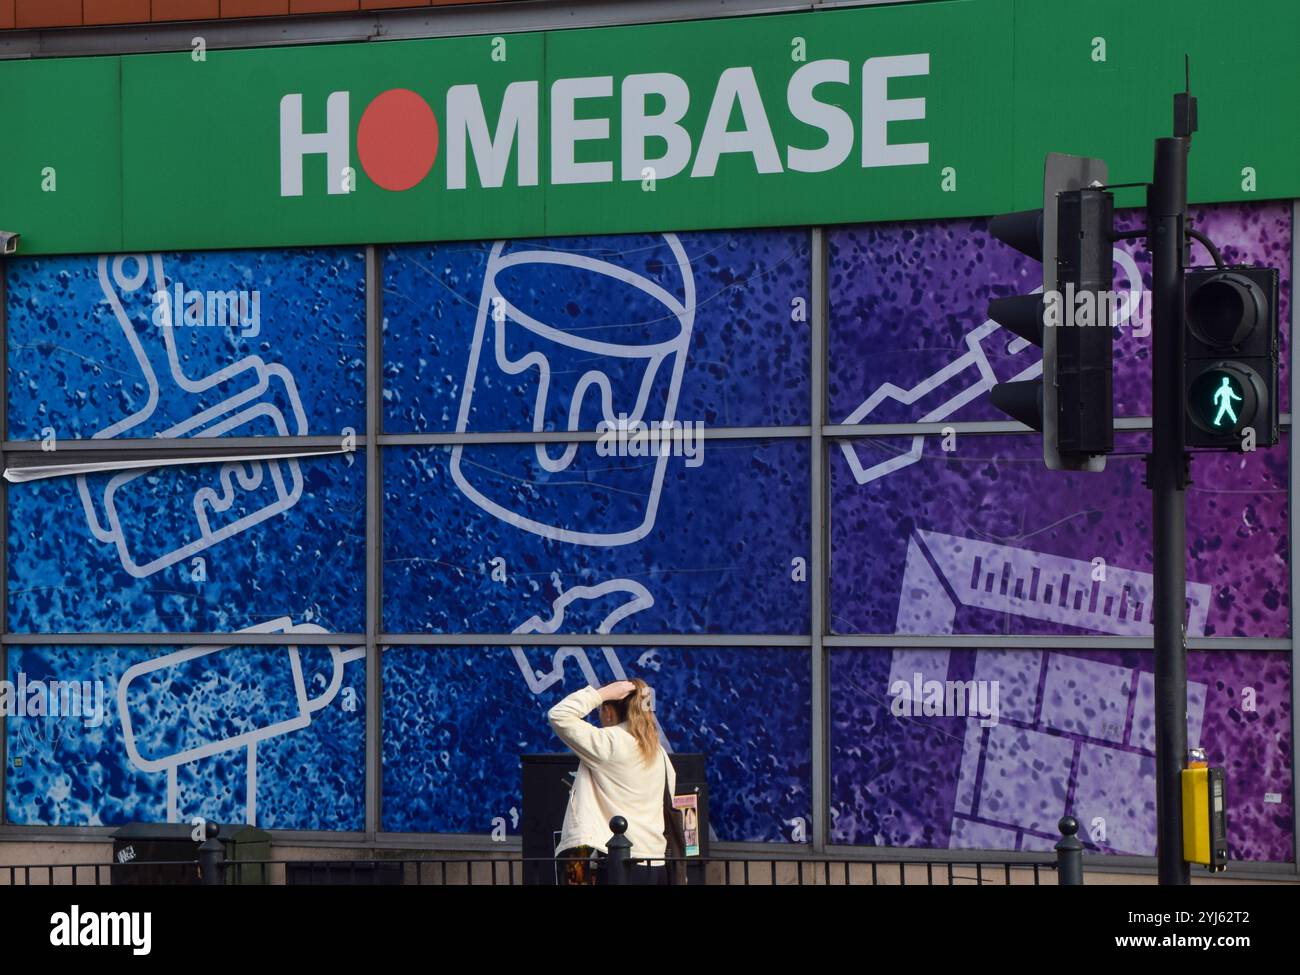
{"x": 37, "y": 14}
{"x": 323, "y": 6}
{"x": 48, "y": 13}
{"x": 114, "y": 11}
{"x": 254, "y": 8}
{"x": 186, "y": 9}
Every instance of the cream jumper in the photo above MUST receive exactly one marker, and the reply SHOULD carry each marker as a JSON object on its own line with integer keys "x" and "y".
{"x": 613, "y": 780}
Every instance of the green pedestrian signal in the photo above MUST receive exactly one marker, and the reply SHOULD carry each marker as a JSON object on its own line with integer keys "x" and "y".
{"x": 1230, "y": 360}
{"x": 1222, "y": 397}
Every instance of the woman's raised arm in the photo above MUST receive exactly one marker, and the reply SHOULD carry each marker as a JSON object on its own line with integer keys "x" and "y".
{"x": 568, "y": 720}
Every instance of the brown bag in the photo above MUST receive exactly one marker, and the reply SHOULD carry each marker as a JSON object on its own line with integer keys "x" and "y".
{"x": 674, "y": 836}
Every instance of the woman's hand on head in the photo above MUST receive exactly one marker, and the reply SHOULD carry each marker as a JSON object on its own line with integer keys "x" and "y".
{"x": 616, "y": 691}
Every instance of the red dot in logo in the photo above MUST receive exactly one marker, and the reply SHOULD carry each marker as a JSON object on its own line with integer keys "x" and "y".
{"x": 397, "y": 139}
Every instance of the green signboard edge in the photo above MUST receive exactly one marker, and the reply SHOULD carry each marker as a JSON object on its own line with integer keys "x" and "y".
{"x": 113, "y": 120}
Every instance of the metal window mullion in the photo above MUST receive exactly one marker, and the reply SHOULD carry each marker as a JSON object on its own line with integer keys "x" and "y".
{"x": 163, "y": 446}
{"x": 973, "y": 427}
{"x": 374, "y": 538}
{"x": 240, "y": 638}
{"x": 1292, "y": 524}
{"x": 693, "y": 640}
{"x": 982, "y": 427}
{"x": 818, "y": 545}
{"x": 878, "y": 642}
{"x": 233, "y": 639}
{"x": 1006, "y": 641}
{"x": 4, "y": 535}
{"x": 530, "y": 437}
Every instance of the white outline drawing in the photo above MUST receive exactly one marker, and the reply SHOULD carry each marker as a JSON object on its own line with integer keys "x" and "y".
{"x": 655, "y": 354}
{"x": 307, "y": 706}
{"x": 541, "y": 681}
{"x": 940, "y": 569}
{"x": 975, "y": 357}
{"x": 226, "y": 415}
{"x": 945, "y": 572}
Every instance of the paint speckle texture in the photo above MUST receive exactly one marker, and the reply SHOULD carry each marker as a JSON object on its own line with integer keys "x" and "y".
{"x": 746, "y": 362}
{"x": 1237, "y": 533}
{"x": 77, "y": 771}
{"x": 86, "y": 352}
{"x": 1074, "y": 735}
{"x": 304, "y": 560}
{"x": 495, "y": 538}
{"x": 456, "y": 720}
{"x": 907, "y": 300}
{"x": 718, "y": 557}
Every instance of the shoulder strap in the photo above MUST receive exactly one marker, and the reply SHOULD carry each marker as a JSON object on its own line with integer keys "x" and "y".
{"x": 674, "y": 834}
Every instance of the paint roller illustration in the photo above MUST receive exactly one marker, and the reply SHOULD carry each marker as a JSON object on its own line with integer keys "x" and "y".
{"x": 592, "y": 339}
{"x": 201, "y": 701}
{"x": 248, "y": 397}
{"x": 965, "y": 379}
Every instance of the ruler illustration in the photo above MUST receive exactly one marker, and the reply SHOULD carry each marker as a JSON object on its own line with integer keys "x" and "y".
{"x": 946, "y": 572}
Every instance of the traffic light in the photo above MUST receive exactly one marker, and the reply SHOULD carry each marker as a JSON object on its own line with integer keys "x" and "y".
{"x": 1085, "y": 277}
{"x": 1230, "y": 362}
{"x": 1072, "y": 235}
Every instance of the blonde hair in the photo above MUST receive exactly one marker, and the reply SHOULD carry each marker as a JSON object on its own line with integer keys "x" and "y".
{"x": 635, "y": 710}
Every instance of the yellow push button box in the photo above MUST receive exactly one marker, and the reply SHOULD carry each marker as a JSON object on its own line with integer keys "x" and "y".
{"x": 1205, "y": 833}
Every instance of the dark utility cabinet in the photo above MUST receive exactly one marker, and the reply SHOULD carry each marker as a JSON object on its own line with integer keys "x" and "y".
{"x": 547, "y": 778}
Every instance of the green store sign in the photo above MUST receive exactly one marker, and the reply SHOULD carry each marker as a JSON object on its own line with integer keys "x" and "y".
{"x": 938, "y": 109}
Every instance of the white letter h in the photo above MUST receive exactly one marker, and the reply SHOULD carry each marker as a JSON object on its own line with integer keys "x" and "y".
{"x": 294, "y": 143}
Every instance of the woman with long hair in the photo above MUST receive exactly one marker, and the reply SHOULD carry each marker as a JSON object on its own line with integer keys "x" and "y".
{"x": 623, "y": 772}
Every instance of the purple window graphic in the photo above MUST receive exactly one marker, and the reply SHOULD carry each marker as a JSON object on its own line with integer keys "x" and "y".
{"x": 1072, "y": 732}
{"x": 936, "y": 535}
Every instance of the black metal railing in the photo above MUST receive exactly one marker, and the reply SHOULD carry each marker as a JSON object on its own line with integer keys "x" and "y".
{"x": 621, "y": 867}
{"x": 210, "y": 867}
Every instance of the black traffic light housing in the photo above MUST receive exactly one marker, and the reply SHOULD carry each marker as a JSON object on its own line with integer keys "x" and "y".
{"x": 1231, "y": 360}
{"x": 1085, "y": 275}
{"x": 1072, "y": 235}
{"x": 1021, "y": 314}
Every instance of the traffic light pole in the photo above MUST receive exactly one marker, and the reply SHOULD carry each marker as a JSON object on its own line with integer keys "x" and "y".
{"x": 1167, "y": 469}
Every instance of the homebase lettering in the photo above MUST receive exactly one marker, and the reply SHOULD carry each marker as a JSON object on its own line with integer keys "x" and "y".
{"x": 658, "y": 438}
{"x": 103, "y": 929}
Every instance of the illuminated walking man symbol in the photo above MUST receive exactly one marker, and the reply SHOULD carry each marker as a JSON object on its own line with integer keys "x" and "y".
{"x": 1222, "y": 399}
